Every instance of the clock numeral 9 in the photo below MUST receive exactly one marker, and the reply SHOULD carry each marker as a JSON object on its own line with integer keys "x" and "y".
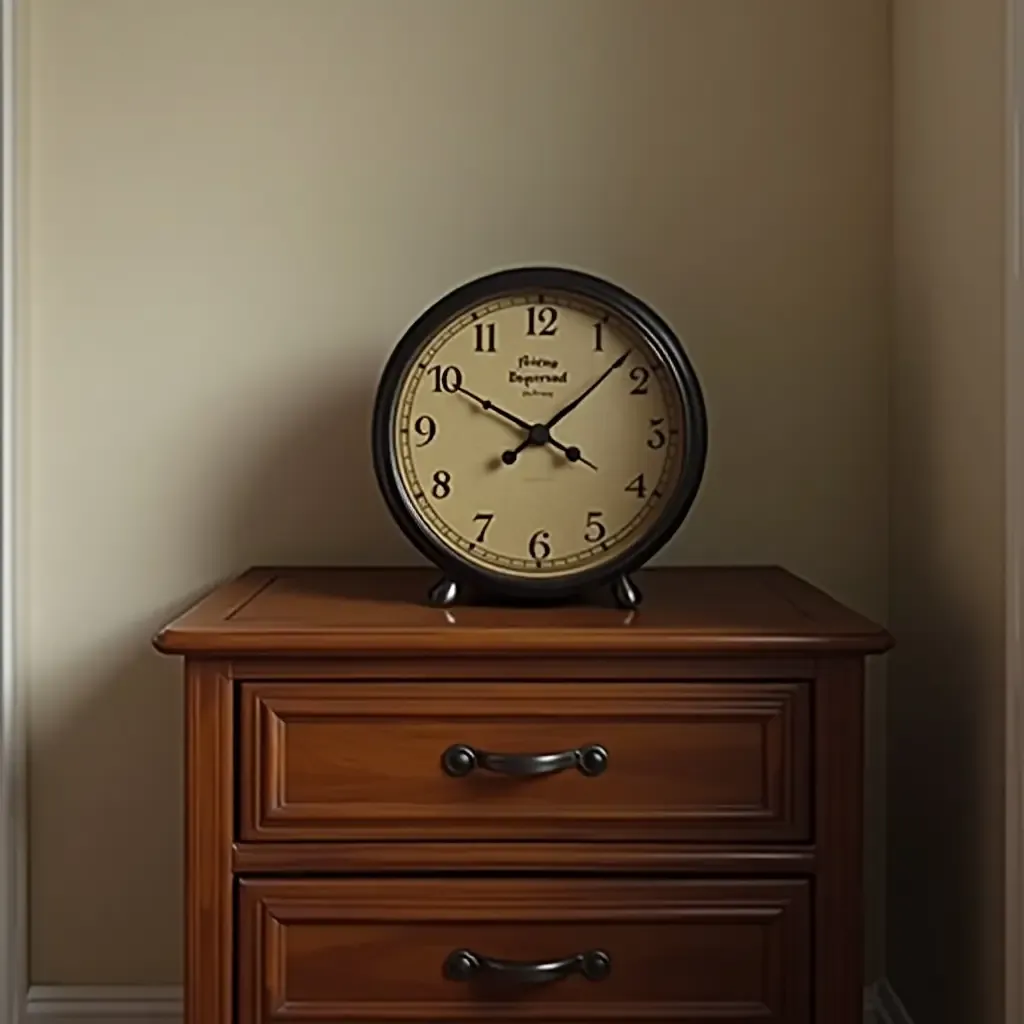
{"x": 485, "y": 338}
{"x": 539, "y": 546}
{"x": 595, "y": 531}
{"x": 641, "y": 375}
{"x": 487, "y": 518}
{"x": 427, "y": 429}
{"x": 636, "y": 485}
{"x": 657, "y": 438}
{"x": 541, "y": 321}
{"x": 446, "y": 378}
{"x": 442, "y": 484}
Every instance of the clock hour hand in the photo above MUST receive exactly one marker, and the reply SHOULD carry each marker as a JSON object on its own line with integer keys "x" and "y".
{"x": 538, "y": 436}
{"x": 486, "y": 403}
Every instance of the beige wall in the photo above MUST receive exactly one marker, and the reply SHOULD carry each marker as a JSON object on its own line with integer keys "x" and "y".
{"x": 234, "y": 208}
{"x": 946, "y": 694}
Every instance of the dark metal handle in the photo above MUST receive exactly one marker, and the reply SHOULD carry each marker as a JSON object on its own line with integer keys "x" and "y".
{"x": 464, "y": 965}
{"x": 460, "y": 759}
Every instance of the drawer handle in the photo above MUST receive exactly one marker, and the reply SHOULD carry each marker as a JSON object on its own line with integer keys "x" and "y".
{"x": 460, "y": 759}
{"x": 464, "y": 965}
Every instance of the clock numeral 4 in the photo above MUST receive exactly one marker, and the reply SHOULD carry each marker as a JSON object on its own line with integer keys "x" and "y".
{"x": 446, "y": 378}
{"x": 595, "y": 531}
{"x": 636, "y": 485}
{"x": 426, "y": 427}
{"x": 486, "y": 338}
{"x": 442, "y": 484}
{"x": 539, "y": 546}
{"x": 541, "y": 321}
{"x": 486, "y": 518}
{"x": 657, "y": 438}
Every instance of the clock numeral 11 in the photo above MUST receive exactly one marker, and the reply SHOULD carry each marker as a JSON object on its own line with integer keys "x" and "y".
{"x": 486, "y": 339}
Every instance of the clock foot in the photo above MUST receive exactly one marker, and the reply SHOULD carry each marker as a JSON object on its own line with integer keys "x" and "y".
{"x": 626, "y": 592}
{"x": 444, "y": 593}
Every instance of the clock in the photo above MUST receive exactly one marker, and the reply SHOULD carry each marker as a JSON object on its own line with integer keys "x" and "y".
{"x": 538, "y": 433}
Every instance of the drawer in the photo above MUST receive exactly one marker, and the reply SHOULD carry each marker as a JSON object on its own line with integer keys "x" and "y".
{"x": 700, "y": 762}
{"x": 550, "y": 950}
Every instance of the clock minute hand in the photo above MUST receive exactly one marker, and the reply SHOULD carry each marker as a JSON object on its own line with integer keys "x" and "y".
{"x": 562, "y": 413}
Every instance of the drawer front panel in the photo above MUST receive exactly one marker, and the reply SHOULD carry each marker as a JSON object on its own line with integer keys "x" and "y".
{"x": 549, "y": 950}
{"x": 684, "y": 762}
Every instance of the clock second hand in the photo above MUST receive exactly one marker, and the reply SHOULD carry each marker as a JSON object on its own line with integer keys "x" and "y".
{"x": 572, "y": 453}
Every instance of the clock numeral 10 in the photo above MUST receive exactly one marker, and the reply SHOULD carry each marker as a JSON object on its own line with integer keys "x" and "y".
{"x": 541, "y": 321}
{"x": 446, "y": 378}
{"x": 539, "y": 546}
{"x": 486, "y": 338}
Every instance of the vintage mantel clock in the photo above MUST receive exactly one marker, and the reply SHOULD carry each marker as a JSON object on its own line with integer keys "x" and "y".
{"x": 539, "y": 432}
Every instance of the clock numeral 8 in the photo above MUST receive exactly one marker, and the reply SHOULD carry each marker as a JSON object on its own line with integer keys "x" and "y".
{"x": 442, "y": 484}
{"x": 539, "y": 546}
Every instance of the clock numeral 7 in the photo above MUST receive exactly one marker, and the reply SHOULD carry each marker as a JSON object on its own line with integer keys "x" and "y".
{"x": 595, "y": 531}
{"x": 539, "y": 546}
{"x": 487, "y": 518}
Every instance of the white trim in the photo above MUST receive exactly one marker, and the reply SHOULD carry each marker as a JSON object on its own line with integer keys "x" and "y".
{"x": 125, "y": 1004}
{"x": 13, "y": 876}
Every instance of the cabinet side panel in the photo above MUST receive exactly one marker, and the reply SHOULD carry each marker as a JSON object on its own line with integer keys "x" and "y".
{"x": 208, "y": 834}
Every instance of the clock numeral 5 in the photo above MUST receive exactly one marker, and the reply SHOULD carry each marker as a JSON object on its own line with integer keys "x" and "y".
{"x": 541, "y": 321}
{"x": 426, "y": 427}
{"x": 539, "y": 546}
{"x": 486, "y": 338}
{"x": 442, "y": 484}
{"x": 446, "y": 378}
{"x": 595, "y": 531}
{"x": 487, "y": 518}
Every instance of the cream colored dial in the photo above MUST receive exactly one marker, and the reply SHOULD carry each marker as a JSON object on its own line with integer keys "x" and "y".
{"x": 595, "y": 486}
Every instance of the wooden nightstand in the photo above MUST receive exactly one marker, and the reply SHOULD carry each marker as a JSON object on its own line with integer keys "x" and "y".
{"x": 400, "y": 813}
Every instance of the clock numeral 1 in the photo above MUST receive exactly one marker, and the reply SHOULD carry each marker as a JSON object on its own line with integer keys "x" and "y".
{"x": 657, "y": 438}
{"x": 427, "y": 429}
{"x": 595, "y": 531}
{"x": 442, "y": 484}
{"x": 486, "y": 518}
{"x": 539, "y": 546}
{"x": 486, "y": 338}
{"x": 541, "y": 321}
{"x": 447, "y": 378}
{"x": 636, "y": 485}
{"x": 598, "y": 336}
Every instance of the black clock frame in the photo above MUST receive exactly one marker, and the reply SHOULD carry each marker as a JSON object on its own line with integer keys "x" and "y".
{"x": 461, "y": 575}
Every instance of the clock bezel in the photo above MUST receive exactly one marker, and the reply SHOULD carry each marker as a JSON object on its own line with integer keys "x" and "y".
{"x": 641, "y": 318}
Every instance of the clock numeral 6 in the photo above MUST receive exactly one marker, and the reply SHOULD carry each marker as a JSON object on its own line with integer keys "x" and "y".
{"x": 442, "y": 484}
{"x": 657, "y": 438}
{"x": 595, "y": 531}
{"x": 446, "y": 378}
{"x": 541, "y": 321}
{"x": 539, "y": 546}
{"x": 427, "y": 429}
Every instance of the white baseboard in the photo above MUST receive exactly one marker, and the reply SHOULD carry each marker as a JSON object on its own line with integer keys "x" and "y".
{"x": 118, "y": 1004}
{"x": 885, "y": 1005}
{"x": 161, "y": 1004}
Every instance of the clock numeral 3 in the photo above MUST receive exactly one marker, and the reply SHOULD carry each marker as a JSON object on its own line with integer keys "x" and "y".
{"x": 442, "y": 484}
{"x": 595, "y": 531}
{"x": 636, "y": 485}
{"x": 486, "y": 338}
{"x": 541, "y": 321}
{"x": 657, "y": 438}
{"x": 487, "y": 518}
{"x": 446, "y": 378}
{"x": 539, "y": 546}
{"x": 641, "y": 375}
{"x": 427, "y": 429}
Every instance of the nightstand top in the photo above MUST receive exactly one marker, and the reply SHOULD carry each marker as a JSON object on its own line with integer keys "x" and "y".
{"x": 686, "y": 610}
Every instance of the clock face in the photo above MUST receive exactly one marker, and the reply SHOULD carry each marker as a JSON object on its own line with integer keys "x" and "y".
{"x": 538, "y": 435}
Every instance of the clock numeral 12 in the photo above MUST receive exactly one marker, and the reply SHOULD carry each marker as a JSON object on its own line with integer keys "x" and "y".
{"x": 486, "y": 339}
{"x": 541, "y": 321}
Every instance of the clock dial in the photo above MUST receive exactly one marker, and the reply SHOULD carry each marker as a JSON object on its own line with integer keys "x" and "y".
{"x": 538, "y": 435}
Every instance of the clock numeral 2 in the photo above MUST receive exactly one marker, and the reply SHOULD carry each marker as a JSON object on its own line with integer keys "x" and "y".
{"x": 636, "y": 485}
{"x": 486, "y": 338}
{"x": 446, "y": 378}
{"x": 442, "y": 484}
{"x": 539, "y": 546}
{"x": 427, "y": 429}
{"x": 541, "y": 321}
{"x": 657, "y": 438}
{"x": 641, "y": 375}
{"x": 595, "y": 531}
{"x": 487, "y": 518}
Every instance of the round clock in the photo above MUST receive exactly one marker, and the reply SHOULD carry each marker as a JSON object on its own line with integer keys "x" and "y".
{"x": 539, "y": 432}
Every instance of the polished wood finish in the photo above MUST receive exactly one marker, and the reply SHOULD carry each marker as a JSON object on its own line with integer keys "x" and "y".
{"x": 332, "y": 863}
